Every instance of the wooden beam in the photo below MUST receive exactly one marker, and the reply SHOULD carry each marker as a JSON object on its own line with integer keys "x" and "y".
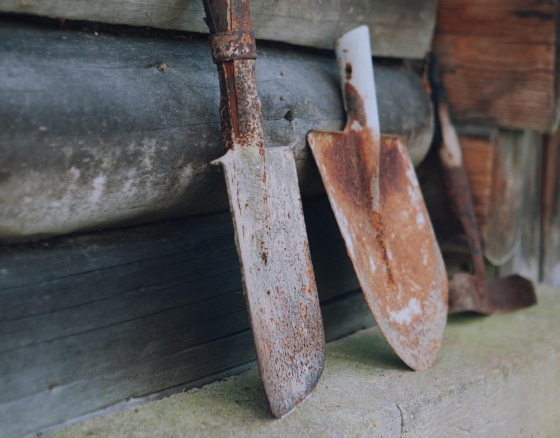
{"x": 400, "y": 29}
{"x": 499, "y": 61}
{"x": 91, "y": 320}
{"x": 93, "y": 135}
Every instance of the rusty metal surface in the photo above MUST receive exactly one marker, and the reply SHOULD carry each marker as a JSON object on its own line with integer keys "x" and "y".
{"x": 270, "y": 234}
{"x": 227, "y": 46}
{"x": 376, "y": 198}
{"x": 497, "y": 296}
{"x": 471, "y": 292}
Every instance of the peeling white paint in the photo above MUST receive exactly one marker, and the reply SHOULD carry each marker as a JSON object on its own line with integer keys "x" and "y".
{"x": 412, "y": 193}
{"x": 420, "y": 219}
{"x": 412, "y": 176}
{"x": 405, "y": 315}
{"x": 372, "y": 264}
{"x": 424, "y": 257}
{"x": 356, "y": 126}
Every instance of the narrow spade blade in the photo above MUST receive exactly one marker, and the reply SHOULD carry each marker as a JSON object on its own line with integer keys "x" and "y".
{"x": 278, "y": 277}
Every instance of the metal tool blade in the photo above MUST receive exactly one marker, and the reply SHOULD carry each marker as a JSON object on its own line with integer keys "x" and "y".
{"x": 376, "y": 198}
{"x": 277, "y": 273}
{"x": 471, "y": 292}
{"x": 270, "y": 233}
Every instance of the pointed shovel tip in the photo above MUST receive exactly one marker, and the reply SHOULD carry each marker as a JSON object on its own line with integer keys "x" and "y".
{"x": 282, "y": 406}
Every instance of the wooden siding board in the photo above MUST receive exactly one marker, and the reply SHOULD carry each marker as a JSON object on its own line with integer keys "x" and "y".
{"x": 400, "y": 29}
{"x": 551, "y": 212}
{"x": 128, "y": 312}
{"x": 499, "y": 61}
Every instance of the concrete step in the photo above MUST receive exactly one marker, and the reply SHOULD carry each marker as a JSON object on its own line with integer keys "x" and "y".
{"x": 496, "y": 376}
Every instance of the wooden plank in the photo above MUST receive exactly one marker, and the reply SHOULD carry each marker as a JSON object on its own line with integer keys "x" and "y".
{"x": 502, "y": 231}
{"x": 499, "y": 61}
{"x": 527, "y": 258}
{"x": 400, "y": 29}
{"x": 92, "y": 135}
{"x": 513, "y": 21}
{"x": 90, "y": 320}
{"x": 504, "y": 171}
{"x": 551, "y": 212}
{"x": 478, "y": 159}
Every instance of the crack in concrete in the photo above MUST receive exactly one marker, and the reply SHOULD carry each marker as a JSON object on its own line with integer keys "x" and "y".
{"x": 402, "y": 419}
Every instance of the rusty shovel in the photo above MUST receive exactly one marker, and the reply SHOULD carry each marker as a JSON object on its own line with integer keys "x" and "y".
{"x": 471, "y": 292}
{"x": 270, "y": 233}
{"x": 376, "y": 198}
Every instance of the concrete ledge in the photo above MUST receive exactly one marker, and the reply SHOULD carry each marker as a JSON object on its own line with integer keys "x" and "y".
{"x": 495, "y": 377}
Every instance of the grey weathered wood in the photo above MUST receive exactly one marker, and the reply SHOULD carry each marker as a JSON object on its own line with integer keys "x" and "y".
{"x": 502, "y": 231}
{"x": 400, "y": 29}
{"x": 92, "y": 135}
{"x": 527, "y": 258}
{"x": 90, "y": 320}
{"x": 551, "y": 212}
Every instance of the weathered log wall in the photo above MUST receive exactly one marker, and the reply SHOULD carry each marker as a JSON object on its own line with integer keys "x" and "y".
{"x": 92, "y": 320}
{"x": 399, "y": 29}
{"x": 93, "y": 135}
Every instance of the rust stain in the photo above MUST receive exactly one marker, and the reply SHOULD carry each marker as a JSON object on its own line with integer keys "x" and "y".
{"x": 471, "y": 292}
{"x": 387, "y": 232}
{"x": 276, "y": 267}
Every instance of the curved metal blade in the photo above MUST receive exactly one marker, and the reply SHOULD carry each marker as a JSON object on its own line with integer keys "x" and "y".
{"x": 278, "y": 277}
{"x": 376, "y": 198}
{"x": 497, "y": 296}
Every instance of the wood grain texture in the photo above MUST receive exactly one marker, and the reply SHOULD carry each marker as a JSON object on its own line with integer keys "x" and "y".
{"x": 513, "y": 21}
{"x": 478, "y": 159}
{"x": 505, "y": 172}
{"x": 92, "y": 135}
{"x": 499, "y": 61}
{"x": 501, "y": 233}
{"x": 551, "y": 211}
{"x": 528, "y": 258}
{"x": 400, "y": 29}
{"x": 90, "y": 320}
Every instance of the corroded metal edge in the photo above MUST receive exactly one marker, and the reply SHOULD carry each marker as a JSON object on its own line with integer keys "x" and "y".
{"x": 376, "y": 198}
{"x": 278, "y": 277}
{"x": 270, "y": 234}
{"x": 393, "y": 249}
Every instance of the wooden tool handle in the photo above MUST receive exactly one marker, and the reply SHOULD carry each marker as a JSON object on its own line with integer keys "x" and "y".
{"x": 456, "y": 179}
{"x": 355, "y": 67}
{"x": 234, "y": 52}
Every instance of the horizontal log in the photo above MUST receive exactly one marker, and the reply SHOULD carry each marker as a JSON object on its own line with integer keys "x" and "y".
{"x": 91, "y": 320}
{"x": 95, "y": 133}
{"x": 400, "y": 29}
{"x": 499, "y": 61}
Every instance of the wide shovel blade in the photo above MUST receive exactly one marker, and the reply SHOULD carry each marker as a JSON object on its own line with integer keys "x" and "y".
{"x": 376, "y": 198}
{"x": 497, "y": 296}
{"x": 270, "y": 234}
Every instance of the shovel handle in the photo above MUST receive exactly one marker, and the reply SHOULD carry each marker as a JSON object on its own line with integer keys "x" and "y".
{"x": 234, "y": 52}
{"x": 456, "y": 179}
{"x": 355, "y": 67}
